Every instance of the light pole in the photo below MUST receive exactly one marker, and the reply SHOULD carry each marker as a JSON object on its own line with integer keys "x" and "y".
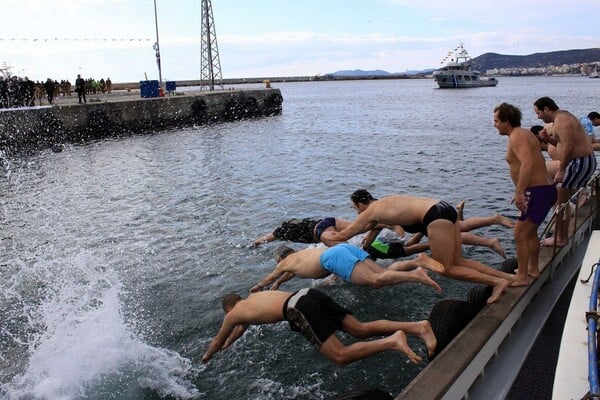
{"x": 157, "y": 47}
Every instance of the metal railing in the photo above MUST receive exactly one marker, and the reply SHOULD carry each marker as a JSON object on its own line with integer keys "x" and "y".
{"x": 586, "y": 196}
{"x": 592, "y": 324}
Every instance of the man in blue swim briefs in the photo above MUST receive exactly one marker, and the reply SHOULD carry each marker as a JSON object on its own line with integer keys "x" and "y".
{"x": 535, "y": 194}
{"x": 345, "y": 261}
{"x": 577, "y": 160}
{"x": 318, "y": 317}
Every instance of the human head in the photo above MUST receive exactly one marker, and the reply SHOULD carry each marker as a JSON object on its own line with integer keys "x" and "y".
{"x": 506, "y": 116}
{"x": 282, "y": 252}
{"x": 542, "y": 134}
{"x": 545, "y": 108}
{"x": 595, "y": 118}
{"x": 230, "y": 301}
{"x": 536, "y": 129}
{"x": 362, "y": 196}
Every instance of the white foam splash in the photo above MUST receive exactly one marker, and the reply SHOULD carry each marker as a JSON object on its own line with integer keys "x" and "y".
{"x": 84, "y": 344}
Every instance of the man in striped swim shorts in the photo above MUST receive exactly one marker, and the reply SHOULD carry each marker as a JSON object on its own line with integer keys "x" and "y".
{"x": 577, "y": 160}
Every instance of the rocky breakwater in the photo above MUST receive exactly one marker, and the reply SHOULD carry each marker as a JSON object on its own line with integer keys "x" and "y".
{"x": 36, "y": 128}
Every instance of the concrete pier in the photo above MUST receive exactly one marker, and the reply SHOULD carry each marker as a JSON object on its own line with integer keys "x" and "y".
{"x": 36, "y": 128}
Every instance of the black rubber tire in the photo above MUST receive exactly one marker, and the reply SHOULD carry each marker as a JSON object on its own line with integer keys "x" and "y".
{"x": 363, "y": 394}
{"x": 478, "y": 295}
{"x": 509, "y": 265}
{"x": 447, "y": 319}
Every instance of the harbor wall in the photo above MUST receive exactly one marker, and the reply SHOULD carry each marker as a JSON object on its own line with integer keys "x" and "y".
{"x": 30, "y": 129}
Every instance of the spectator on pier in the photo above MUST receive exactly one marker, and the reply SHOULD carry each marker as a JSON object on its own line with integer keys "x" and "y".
{"x": 49, "y": 87}
{"x": 108, "y": 85}
{"x": 3, "y": 93}
{"x": 80, "y": 88}
{"x": 28, "y": 92}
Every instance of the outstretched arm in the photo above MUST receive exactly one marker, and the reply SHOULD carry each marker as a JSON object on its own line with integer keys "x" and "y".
{"x": 360, "y": 225}
{"x": 269, "y": 279}
{"x": 222, "y": 337}
{"x": 235, "y": 334}
{"x": 269, "y": 237}
{"x": 369, "y": 237}
{"x": 286, "y": 276}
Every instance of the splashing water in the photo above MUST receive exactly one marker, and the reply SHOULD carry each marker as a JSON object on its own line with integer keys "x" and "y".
{"x": 76, "y": 339}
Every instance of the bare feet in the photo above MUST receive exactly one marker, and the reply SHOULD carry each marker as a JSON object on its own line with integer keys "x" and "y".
{"x": 426, "y": 334}
{"x": 401, "y": 344}
{"x": 405, "y": 265}
{"x": 497, "y": 247}
{"x": 583, "y": 197}
{"x": 420, "y": 275}
{"x": 533, "y": 272}
{"x": 521, "y": 281}
{"x": 504, "y": 221}
{"x": 550, "y": 242}
{"x": 497, "y": 291}
{"x": 459, "y": 209}
{"x": 427, "y": 262}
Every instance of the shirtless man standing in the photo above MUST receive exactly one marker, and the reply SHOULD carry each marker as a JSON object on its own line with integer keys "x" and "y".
{"x": 346, "y": 261}
{"x": 577, "y": 160}
{"x": 534, "y": 192}
{"x": 318, "y": 317}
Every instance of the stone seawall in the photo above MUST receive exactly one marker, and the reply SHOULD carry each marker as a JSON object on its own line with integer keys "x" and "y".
{"x": 30, "y": 129}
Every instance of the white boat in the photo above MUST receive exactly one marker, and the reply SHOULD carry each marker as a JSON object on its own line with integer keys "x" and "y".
{"x": 458, "y": 72}
{"x": 573, "y": 377}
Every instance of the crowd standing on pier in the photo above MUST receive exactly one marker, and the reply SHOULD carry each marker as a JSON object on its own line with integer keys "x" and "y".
{"x": 18, "y": 92}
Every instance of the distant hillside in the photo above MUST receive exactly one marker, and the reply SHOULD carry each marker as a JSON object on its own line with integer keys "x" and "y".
{"x": 494, "y": 60}
{"x": 360, "y": 72}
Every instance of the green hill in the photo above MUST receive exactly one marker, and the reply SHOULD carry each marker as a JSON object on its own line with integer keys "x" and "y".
{"x": 494, "y": 60}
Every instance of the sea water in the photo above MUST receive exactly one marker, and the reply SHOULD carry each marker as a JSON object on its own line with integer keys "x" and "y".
{"x": 114, "y": 255}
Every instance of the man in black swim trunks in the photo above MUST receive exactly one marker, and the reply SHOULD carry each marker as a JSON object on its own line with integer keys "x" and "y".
{"x": 439, "y": 222}
{"x": 378, "y": 246}
{"x": 317, "y": 317}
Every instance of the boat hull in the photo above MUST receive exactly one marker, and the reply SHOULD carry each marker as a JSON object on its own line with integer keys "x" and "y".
{"x": 457, "y": 82}
{"x": 571, "y": 378}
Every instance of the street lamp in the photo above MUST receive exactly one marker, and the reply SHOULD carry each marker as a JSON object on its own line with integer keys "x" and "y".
{"x": 156, "y": 47}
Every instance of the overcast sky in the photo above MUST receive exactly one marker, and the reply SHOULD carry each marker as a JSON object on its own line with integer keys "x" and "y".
{"x": 260, "y": 38}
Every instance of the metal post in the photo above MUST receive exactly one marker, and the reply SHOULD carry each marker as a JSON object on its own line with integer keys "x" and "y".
{"x": 157, "y": 47}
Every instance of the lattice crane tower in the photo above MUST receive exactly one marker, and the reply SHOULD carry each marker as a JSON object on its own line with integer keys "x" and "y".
{"x": 210, "y": 65}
